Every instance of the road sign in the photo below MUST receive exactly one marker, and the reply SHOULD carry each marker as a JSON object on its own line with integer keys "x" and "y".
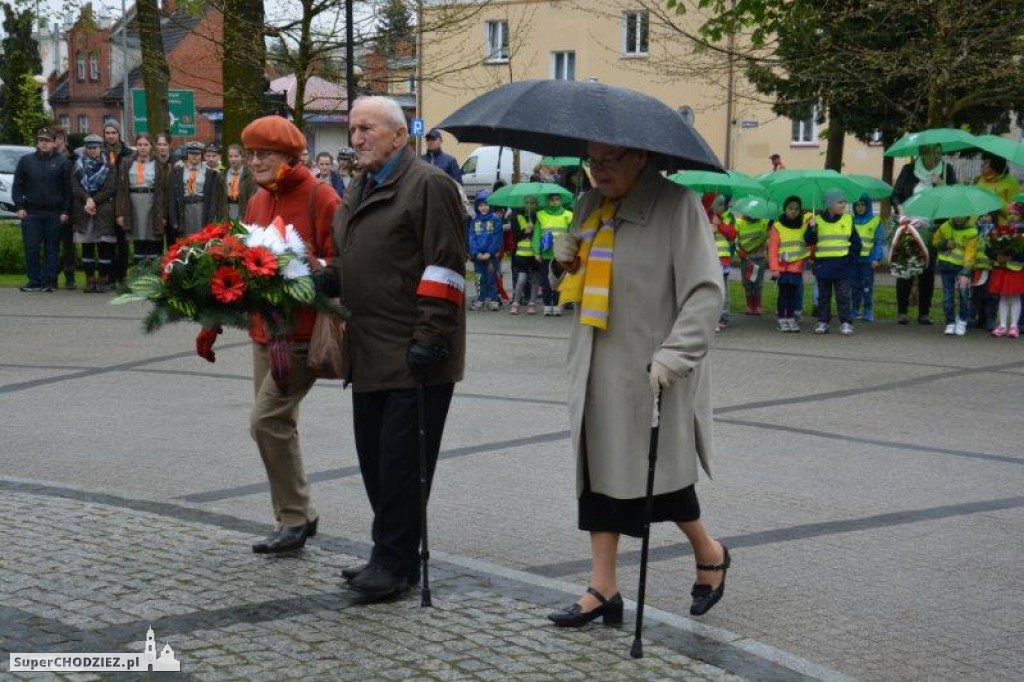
{"x": 181, "y": 109}
{"x": 748, "y": 123}
{"x": 417, "y": 128}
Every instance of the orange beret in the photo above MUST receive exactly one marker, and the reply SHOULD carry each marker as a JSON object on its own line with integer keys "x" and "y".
{"x": 275, "y": 133}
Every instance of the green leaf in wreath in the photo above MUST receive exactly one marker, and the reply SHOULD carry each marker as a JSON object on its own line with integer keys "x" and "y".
{"x": 301, "y": 289}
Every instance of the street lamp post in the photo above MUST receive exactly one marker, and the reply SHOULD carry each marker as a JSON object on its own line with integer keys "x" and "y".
{"x": 350, "y": 74}
{"x": 124, "y": 68}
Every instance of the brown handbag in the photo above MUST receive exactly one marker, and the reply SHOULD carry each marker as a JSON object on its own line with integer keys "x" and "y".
{"x": 325, "y": 341}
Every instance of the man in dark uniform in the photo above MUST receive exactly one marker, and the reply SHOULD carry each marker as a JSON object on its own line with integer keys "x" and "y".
{"x": 116, "y": 151}
{"x": 41, "y": 194}
{"x": 399, "y": 241}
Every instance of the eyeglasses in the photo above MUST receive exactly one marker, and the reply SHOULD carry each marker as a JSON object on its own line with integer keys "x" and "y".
{"x": 261, "y": 154}
{"x": 607, "y": 162}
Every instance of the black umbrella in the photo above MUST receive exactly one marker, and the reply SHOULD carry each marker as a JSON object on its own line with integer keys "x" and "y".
{"x": 559, "y": 117}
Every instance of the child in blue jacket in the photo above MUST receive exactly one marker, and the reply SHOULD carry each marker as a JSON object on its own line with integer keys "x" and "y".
{"x": 485, "y": 238}
{"x": 872, "y": 251}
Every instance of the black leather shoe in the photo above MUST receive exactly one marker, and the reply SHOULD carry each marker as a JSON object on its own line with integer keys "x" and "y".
{"x": 412, "y": 579}
{"x": 703, "y": 596}
{"x": 376, "y": 583}
{"x": 574, "y": 616}
{"x": 287, "y": 539}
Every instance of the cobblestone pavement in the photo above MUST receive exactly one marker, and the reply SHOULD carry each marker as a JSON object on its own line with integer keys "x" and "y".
{"x": 91, "y": 576}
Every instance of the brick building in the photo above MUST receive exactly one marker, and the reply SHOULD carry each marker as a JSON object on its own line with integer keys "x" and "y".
{"x": 85, "y": 96}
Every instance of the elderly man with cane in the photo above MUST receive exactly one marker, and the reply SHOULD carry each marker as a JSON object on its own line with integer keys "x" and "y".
{"x": 645, "y": 274}
{"x": 400, "y": 266}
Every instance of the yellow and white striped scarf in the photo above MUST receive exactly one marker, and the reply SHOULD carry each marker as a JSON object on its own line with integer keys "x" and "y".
{"x": 590, "y": 285}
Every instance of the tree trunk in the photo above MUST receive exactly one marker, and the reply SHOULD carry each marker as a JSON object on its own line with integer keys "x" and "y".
{"x": 155, "y": 73}
{"x": 243, "y": 69}
{"x": 303, "y": 59}
{"x": 836, "y": 140}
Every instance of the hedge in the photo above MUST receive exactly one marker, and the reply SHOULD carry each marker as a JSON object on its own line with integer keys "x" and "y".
{"x": 12, "y": 258}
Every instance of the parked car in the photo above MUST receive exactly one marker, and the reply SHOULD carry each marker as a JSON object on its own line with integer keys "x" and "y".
{"x": 486, "y": 165}
{"x": 9, "y": 155}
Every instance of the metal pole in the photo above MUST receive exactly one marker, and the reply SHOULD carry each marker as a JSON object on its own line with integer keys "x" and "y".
{"x": 419, "y": 71}
{"x": 124, "y": 68}
{"x": 350, "y": 73}
{"x": 730, "y": 87}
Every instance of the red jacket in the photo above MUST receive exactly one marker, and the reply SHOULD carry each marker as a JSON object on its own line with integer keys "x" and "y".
{"x": 298, "y": 198}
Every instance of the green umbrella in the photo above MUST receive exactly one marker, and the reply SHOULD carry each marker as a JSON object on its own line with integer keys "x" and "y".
{"x": 1000, "y": 146}
{"x": 873, "y": 187}
{"x": 514, "y": 196}
{"x": 733, "y": 183}
{"x": 756, "y": 207}
{"x": 948, "y": 139}
{"x": 559, "y": 161}
{"x": 952, "y": 201}
{"x": 810, "y": 185}
{"x": 1019, "y": 198}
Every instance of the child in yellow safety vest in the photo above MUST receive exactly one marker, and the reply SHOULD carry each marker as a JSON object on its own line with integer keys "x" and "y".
{"x": 957, "y": 243}
{"x": 552, "y": 220}
{"x": 787, "y": 254}
{"x": 524, "y": 262}
{"x": 837, "y": 250}
{"x": 752, "y": 250}
{"x": 872, "y": 251}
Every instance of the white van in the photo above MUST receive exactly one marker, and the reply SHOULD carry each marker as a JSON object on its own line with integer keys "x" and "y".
{"x": 484, "y": 167}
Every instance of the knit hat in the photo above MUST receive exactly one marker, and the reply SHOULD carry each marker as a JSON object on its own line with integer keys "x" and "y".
{"x": 833, "y": 195}
{"x": 111, "y": 123}
{"x": 274, "y": 133}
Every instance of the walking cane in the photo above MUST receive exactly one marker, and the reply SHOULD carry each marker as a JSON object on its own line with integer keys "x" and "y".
{"x": 421, "y": 417}
{"x": 637, "y": 650}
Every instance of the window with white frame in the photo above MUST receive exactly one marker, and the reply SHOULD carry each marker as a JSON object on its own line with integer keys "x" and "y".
{"x": 497, "y": 41}
{"x": 94, "y": 67}
{"x": 636, "y": 28}
{"x": 65, "y": 123}
{"x": 80, "y": 65}
{"x": 83, "y": 123}
{"x": 876, "y": 138}
{"x": 563, "y": 66}
{"x": 805, "y": 130}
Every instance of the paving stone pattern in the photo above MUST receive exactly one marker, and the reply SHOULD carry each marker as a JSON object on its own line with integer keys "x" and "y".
{"x": 88, "y": 577}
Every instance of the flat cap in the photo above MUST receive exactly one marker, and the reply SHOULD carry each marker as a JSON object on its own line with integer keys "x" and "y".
{"x": 93, "y": 139}
{"x": 194, "y": 147}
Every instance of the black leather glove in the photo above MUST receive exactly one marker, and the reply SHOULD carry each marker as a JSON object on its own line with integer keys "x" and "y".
{"x": 420, "y": 357}
{"x": 326, "y": 282}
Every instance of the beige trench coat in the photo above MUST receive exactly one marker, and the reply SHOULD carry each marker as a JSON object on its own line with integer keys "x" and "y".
{"x": 666, "y": 296}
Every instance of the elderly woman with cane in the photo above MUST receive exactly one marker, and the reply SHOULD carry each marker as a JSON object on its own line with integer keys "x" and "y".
{"x": 643, "y": 269}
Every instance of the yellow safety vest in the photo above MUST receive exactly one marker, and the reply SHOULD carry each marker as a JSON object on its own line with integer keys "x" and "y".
{"x": 959, "y": 238}
{"x": 555, "y": 224}
{"x": 867, "y": 236}
{"x": 834, "y": 238}
{"x": 524, "y": 247}
{"x": 792, "y": 247}
{"x": 751, "y": 235}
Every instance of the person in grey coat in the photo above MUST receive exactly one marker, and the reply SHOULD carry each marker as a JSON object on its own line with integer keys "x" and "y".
{"x": 197, "y": 194}
{"x": 663, "y": 298}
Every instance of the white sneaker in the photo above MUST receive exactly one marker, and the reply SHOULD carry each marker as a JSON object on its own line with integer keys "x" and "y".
{"x": 556, "y": 310}
{"x": 495, "y": 305}
{"x": 846, "y": 329}
{"x": 476, "y": 305}
{"x": 821, "y": 328}
{"x": 950, "y": 330}
{"x": 794, "y": 326}
{"x": 783, "y": 325}
{"x": 547, "y": 311}
{"x": 961, "y": 327}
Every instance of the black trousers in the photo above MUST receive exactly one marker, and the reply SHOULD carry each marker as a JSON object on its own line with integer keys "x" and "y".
{"x": 68, "y": 258}
{"x": 925, "y": 290}
{"x": 387, "y": 442}
{"x": 119, "y": 269}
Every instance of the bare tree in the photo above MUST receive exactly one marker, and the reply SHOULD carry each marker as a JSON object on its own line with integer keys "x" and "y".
{"x": 155, "y": 73}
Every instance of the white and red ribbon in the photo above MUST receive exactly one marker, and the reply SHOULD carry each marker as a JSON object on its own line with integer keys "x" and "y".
{"x": 443, "y": 283}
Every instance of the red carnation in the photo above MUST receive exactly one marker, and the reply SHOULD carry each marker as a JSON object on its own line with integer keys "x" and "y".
{"x": 260, "y": 261}
{"x": 213, "y": 231}
{"x": 227, "y": 284}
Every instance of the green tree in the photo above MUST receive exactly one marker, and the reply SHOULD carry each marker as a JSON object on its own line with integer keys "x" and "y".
{"x": 245, "y": 56}
{"x": 20, "y": 60}
{"x": 31, "y": 117}
{"x": 396, "y": 25}
{"x": 155, "y": 73}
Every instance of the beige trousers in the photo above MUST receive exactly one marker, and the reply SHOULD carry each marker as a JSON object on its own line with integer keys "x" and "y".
{"x": 273, "y": 424}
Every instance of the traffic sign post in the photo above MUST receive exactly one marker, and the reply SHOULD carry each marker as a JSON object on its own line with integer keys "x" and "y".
{"x": 417, "y": 128}
{"x": 181, "y": 109}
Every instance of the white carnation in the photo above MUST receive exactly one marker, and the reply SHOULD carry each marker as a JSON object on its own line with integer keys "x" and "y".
{"x": 295, "y": 269}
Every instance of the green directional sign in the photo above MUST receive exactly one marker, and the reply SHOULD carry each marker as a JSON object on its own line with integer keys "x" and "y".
{"x": 181, "y": 107}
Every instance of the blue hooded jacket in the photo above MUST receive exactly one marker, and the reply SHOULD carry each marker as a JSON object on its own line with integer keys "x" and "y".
{"x": 485, "y": 233}
{"x": 878, "y": 248}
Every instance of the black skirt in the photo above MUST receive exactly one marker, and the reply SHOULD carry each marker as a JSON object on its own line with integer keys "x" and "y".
{"x": 601, "y": 513}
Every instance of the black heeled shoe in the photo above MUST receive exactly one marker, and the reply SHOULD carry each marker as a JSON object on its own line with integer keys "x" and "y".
{"x": 574, "y": 616}
{"x": 287, "y": 539}
{"x": 703, "y": 596}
